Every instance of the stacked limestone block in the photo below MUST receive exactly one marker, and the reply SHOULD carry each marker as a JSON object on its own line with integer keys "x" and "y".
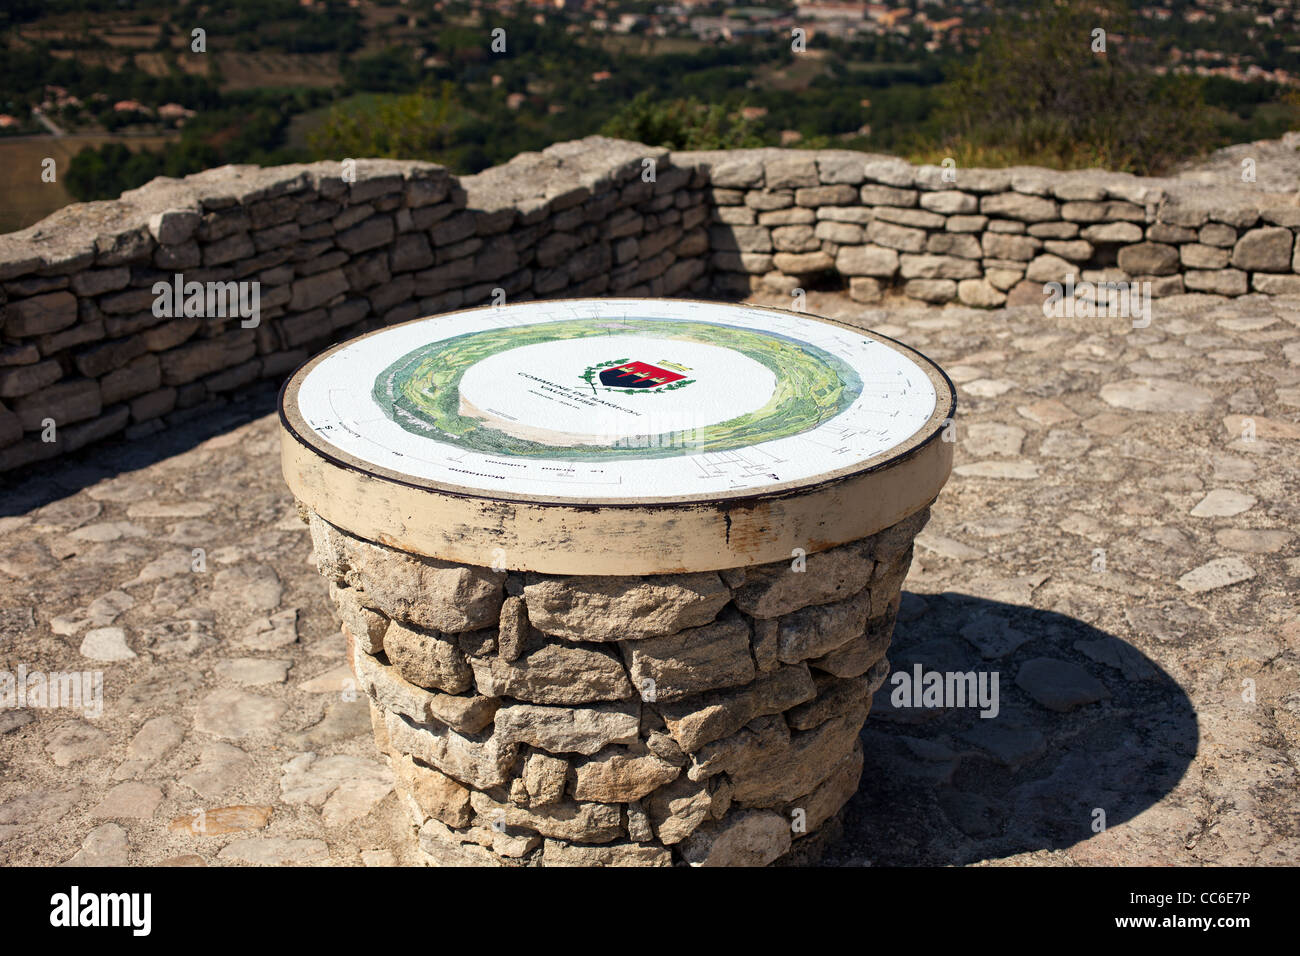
{"x": 784, "y": 219}
{"x": 539, "y": 720}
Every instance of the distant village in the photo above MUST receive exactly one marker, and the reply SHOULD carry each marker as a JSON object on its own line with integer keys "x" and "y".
{"x": 59, "y": 101}
{"x": 932, "y": 24}
{"x": 929, "y": 26}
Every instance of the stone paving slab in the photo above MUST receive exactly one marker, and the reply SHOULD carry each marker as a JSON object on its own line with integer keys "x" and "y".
{"x": 1115, "y": 544}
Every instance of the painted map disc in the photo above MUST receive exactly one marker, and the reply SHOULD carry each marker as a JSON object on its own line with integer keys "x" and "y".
{"x": 614, "y": 402}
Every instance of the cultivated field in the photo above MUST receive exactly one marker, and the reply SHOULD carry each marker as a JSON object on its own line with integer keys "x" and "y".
{"x": 249, "y": 71}
{"x": 24, "y": 198}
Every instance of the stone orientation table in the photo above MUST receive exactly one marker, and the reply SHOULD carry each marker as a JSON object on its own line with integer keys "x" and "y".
{"x": 618, "y": 576}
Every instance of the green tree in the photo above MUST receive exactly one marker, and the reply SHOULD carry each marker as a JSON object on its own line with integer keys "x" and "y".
{"x": 87, "y": 175}
{"x": 109, "y": 171}
{"x": 1038, "y": 91}
{"x": 391, "y": 71}
{"x": 412, "y": 126}
{"x": 681, "y": 124}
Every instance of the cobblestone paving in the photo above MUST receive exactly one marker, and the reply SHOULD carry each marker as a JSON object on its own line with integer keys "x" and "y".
{"x": 1114, "y": 544}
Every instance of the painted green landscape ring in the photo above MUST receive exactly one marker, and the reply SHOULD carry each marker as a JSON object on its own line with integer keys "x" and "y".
{"x": 420, "y": 392}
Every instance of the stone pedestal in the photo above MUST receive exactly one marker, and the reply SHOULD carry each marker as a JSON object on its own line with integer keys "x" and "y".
{"x": 708, "y": 718}
{"x": 650, "y": 680}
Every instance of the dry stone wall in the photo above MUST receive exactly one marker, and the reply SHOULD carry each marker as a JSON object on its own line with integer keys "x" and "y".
{"x": 705, "y": 719}
{"x": 84, "y": 354}
{"x": 986, "y": 237}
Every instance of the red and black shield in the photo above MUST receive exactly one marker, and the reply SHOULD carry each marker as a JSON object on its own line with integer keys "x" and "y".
{"x": 638, "y": 375}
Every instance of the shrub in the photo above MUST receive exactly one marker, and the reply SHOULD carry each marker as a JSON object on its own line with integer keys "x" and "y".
{"x": 681, "y": 124}
{"x": 1037, "y": 92}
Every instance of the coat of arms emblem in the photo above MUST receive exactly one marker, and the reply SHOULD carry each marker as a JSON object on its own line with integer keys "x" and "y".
{"x": 636, "y": 377}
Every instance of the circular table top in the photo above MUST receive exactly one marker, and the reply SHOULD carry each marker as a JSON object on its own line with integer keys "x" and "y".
{"x": 517, "y": 428}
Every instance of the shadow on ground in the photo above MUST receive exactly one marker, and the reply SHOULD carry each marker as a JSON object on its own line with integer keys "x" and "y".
{"x": 949, "y": 787}
{"x": 39, "y": 484}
